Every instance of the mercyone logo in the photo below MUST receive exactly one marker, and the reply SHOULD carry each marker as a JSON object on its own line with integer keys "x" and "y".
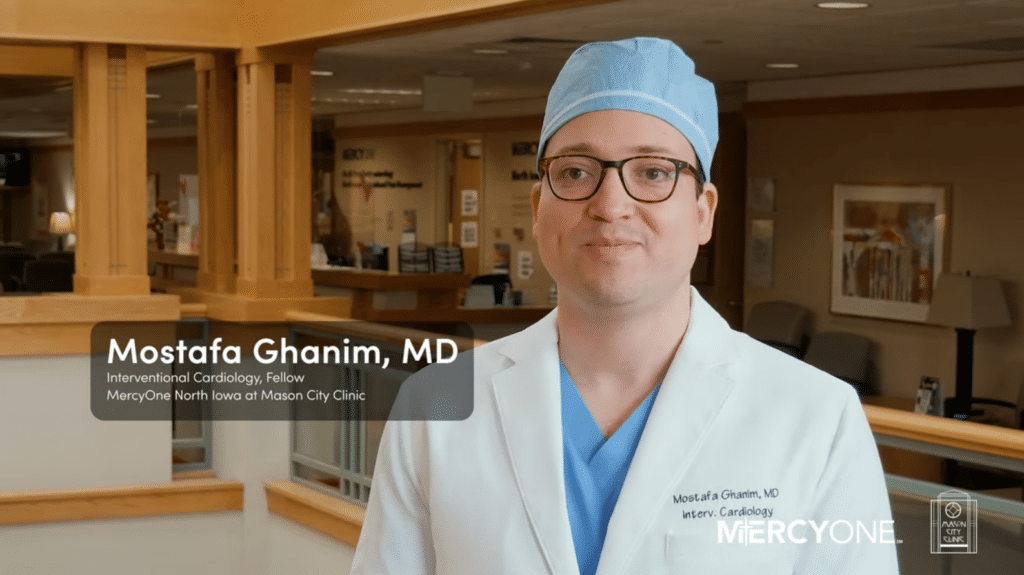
{"x": 762, "y": 532}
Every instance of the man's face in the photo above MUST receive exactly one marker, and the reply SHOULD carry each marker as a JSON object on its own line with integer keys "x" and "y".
{"x": 611, "y": 250}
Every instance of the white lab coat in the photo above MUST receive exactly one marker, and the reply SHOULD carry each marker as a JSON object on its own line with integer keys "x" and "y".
{"x": 486, "y": 495}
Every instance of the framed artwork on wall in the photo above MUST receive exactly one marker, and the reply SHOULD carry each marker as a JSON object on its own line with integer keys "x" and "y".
{"x": 889, "y": 243}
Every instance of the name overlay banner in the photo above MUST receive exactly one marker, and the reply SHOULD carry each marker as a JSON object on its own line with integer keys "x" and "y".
{"x": 213, "y": 370}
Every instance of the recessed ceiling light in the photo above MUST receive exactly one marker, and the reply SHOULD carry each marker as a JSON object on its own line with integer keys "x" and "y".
{"x": 191, "y": 106}
{"x": 321, "y": 72}
{"x": 152, "y": 96}
{"x": 842, "y": 5}
{"x": 782, "y": 65}
{"x": 489, "y": 51}
{"x": 398, "y": 91}
{"x": 32, "y": 134}
{"x": 151, "y": 121}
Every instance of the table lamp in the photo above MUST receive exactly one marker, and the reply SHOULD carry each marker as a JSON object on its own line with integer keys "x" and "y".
{"x": 60, "y": 225}
{"x": 967, "y": 303}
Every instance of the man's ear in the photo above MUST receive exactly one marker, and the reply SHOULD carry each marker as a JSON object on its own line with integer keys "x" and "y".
{"x": 707, "y": 201}
{"x": 534, "y": 205}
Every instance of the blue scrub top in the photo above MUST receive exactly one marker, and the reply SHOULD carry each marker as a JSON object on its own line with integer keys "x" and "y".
{"x": 595, "y": 468}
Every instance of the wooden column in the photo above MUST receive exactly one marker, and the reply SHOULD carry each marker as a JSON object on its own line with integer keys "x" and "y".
{"x": 215, "y": 142}
{"x": 110, "y": 169}
{"x": 274, "y": 175}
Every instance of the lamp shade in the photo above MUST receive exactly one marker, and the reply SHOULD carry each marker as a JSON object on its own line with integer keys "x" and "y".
{"x": 968, "y": 302}
{"x": 60, "y": 223}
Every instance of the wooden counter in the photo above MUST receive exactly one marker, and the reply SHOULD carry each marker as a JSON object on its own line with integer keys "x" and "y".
{"x": 497, "y": 314}
{"x": 381, "y": 280}
{"x": 168, "y": 265}
{"x": 435, "y": 295}
{"x": 900, "y": 461}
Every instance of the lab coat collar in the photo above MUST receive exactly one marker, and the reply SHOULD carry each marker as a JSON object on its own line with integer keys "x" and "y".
{"x": 697, "y": 384}
{"x": 529, "y": 407}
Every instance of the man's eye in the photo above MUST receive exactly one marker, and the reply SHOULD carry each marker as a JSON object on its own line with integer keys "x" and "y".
{"x": 655, "y": 174}
{"x": 573, "y": 174}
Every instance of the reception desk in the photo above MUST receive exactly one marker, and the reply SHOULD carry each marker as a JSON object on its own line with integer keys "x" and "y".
{"x": 171, "y": 269}
{"x": 393, "y": 297}
{"x": 376, "y": 295}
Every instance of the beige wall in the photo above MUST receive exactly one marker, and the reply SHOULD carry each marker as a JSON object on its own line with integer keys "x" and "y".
{"x": 979, "y": 152}
{"x": 503, "y": 207}
{"x": 170, "y": 159}
{"x": 506, "y": 208}
{"x": 53, "y": 190}
{"x": 410, "y": 159}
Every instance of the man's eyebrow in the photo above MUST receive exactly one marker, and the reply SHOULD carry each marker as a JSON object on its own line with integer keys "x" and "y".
{"x": 652, "y": 150}
{"x": 574, "y": 149}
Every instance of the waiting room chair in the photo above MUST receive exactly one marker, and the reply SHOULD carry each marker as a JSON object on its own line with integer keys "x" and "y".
{"x": 62, "y": 256}
{"x": 780, "y": 324}
{"x": 12, "y": 266}
{"x": 847, "y": 356}
{"x": 49, "y": 276}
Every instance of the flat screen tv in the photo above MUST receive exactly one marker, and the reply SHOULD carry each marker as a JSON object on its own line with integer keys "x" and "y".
{"x": 15, "y": 166}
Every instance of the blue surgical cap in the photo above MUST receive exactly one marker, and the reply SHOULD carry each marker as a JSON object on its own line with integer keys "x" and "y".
{"x": 647, "y": 75}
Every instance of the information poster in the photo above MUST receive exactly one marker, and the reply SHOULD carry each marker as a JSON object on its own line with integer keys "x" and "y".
{"x": 469, "y": 235}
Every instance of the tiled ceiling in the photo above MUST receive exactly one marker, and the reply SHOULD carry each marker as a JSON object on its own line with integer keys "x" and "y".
{"x": 730, "y": 40}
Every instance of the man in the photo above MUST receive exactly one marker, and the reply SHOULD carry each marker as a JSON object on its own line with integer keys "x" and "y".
{"x": 631, "y": 431}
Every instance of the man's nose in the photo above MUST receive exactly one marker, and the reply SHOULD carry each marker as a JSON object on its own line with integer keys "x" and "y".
{"x": 611, "y": 201}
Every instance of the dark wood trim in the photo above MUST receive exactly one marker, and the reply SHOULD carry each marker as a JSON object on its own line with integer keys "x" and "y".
{"x": 914, "y": 101}
{"x": 477, "y": 125}
{"x": 152, "y": 143}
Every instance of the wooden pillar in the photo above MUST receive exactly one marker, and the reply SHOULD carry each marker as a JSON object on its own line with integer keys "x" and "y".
{"x": 110, "y": 169}
{"x": 215, "y": 143}
{"x": 274, "y": 134}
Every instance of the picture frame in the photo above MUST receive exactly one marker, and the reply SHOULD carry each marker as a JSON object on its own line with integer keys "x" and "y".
{"x": 889, "y": 244}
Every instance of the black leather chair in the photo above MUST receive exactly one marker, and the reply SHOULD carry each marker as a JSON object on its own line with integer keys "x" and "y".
{"x": 780, "y": 324}
{"x": 847, "y": 356}
{"x": 12, "y": 267}
{"x": 49, "y": 276}
{"x": 62, "y": 256}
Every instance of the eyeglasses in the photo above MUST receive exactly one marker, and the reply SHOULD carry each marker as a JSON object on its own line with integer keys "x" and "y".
{"x": 647, "y": 179}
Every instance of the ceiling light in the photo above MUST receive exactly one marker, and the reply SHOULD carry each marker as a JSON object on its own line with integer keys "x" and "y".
{"x": 150, "y": 121}
{"x": 489, "y": 51}
{"x": 32, "y": 134}
{"x": 191, "y": 106}
{"x": 842, "y": 5}
{"x": 782, "y": 65}
{"x": 152, "y": 96}
{"x": 321, "y": 72}
{"x": 398, "y": 91}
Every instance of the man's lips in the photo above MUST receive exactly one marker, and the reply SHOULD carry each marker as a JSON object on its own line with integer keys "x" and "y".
{"x": 610, "y": 242}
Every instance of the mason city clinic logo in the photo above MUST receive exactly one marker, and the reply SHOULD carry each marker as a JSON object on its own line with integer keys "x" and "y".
{"x": 954, "y": 523}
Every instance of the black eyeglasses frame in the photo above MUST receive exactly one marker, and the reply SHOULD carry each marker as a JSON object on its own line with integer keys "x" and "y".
{"x": 680, "y": 165}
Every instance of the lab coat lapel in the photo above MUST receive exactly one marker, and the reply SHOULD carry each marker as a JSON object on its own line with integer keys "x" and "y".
{"x": 529, "y": 408}
{"x": 695, "y": 387}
